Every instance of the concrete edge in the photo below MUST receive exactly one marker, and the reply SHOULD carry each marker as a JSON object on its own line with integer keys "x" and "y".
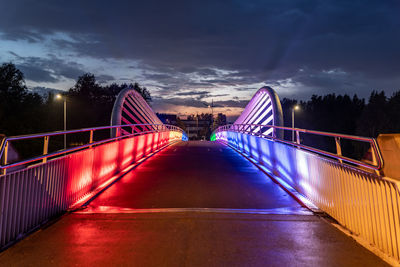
{"x": 365, "y": 244}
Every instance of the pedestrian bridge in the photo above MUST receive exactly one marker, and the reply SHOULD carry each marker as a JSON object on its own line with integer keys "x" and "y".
{"x": 146, "y": 196}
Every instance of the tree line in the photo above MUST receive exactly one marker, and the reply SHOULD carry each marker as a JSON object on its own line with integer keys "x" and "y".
{"x": 346, "y": 115}
{"x": 22, "y": 111}
{"x": 89, "y": 104}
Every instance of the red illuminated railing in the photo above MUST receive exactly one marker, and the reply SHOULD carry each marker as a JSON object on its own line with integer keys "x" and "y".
{"x": 377, "y": 160}
{"x": 152, "y": 128}
{"x": 48, "y": 184}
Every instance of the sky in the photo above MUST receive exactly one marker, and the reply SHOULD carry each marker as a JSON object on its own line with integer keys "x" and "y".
{"x": 189, "y": 53}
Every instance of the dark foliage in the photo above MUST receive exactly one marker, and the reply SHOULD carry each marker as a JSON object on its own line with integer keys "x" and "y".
{"x": 346, "y": 115}
{"x": 22, "y": 112}
{"x": 91, "y": 104}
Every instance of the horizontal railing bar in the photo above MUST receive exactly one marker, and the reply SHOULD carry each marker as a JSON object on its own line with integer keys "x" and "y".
{"x": 39, "y": 135}
{"x": 370, "y": 140}
{"x": 330, "y": 154}
{"x": 71, "y": 150}
{"x": 64, "y": 151}
{"x": 353, "y": 137}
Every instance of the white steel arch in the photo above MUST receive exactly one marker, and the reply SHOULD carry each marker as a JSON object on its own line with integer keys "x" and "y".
{"x": 263, "y": 109}
{"x": 131, "y": 108}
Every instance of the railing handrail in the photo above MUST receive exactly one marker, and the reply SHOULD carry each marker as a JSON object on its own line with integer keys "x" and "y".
{"x": 372, "y": 141}
{"x": 353, "y": 137}
{"x": 45, "y": 156}
{"x": 38, "y": 135}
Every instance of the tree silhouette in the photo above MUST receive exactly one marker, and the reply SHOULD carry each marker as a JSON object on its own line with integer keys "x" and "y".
{"x": 91, "y": 104}
{"x": 20, "y": 111}
{"x": 375, "y": 117}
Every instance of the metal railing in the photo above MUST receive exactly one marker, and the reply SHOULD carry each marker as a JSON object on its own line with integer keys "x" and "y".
{"x": 377, "y": 160}
{"x": 362, "y": 201}
{"x": 32, "y": 195}
{"x": 4, "y": 165}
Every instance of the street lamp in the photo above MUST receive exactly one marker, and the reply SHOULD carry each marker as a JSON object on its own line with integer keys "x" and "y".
{"x": 295, "y": 107}
{"x": 212, "y": 112}
{"x": 59, "y": 97}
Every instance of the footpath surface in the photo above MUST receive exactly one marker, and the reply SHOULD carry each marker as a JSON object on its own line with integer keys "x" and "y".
{"x": 194, "y": 203}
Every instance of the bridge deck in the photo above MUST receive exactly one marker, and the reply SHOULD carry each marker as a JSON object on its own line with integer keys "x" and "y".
{"x": 192, "y": 204}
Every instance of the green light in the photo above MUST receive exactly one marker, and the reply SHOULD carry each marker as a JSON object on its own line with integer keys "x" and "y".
{"x": 212, "y": 137}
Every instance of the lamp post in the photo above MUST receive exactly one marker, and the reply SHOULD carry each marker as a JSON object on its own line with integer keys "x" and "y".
{"x": 212, "y": 111}
{"x": 59, "y": 96}
{"x": 295, "y": 107}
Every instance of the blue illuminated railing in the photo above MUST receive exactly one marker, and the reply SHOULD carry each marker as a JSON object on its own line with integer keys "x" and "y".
{"x": 355, "y": 193}
{"x": 269, "y": 131}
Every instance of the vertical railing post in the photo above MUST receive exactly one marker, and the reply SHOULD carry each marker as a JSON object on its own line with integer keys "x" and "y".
{"x": 45, "y": 148}
{"x": 91, "y": 138}
{"x": 298, "y": 137}
{"x": 5, "y": 157}
{"x": 374, "y": 153}
{"x": 118, "y": 131}
{"x": 338, "y": 148}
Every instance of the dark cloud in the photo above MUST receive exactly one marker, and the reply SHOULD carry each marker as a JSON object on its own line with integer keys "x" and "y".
{"x": 22, "y": 34}
{"x": 36, "y": 74}
{"x": 197, "y": 103}
{"x": 227, "y": 81}
{"x": 104, "y": 78}
{"x": 218, "y": 95}
{"x": 50, "y": 69}
{"x": 45, "y": 91}
{"x": 256, "y": 40}
{"x": 199, "y": 95}
{"x": 178, "y": 101}
{"x": 193, "y": 93}
{"x": 232, "y": 103}
{"x": 206, "y": 72}
{"x": 162, "y": 77}
{"x": 200, "y": 84}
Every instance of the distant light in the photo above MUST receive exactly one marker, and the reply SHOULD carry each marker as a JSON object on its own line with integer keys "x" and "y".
{"x": 58, "y": 96}
{"x": 296, "y": 107}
